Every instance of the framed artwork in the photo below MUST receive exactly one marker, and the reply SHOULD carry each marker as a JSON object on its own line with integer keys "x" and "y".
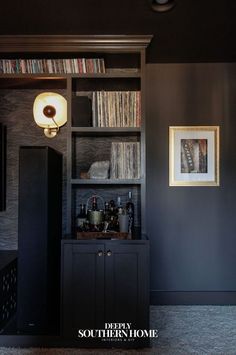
{"x": 194, "y": 156}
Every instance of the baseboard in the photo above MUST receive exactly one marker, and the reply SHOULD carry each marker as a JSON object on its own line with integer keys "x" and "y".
{"x": 192, "y": 297}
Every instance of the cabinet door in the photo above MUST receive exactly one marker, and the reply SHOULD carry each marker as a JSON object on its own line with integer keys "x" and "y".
{"x": 83, "y": 287}
{"x": 127, "y": 284}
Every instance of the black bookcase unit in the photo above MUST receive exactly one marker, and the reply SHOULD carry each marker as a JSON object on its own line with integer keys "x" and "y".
{"x": 3, "y": 167}
{"x": 40, "y": 216}
{"x": 102, "y": 280}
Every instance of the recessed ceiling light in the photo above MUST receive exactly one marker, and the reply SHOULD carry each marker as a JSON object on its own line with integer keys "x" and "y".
{"x": 161, "y": 1}
{"x": 162, "y": 5}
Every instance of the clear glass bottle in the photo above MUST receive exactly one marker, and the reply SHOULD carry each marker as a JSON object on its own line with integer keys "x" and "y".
{"x": 120, "y": 208}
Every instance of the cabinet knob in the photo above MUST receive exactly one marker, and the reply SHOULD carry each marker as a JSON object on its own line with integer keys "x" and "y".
{"x": 100, "y": 253}
{"x": 109, "y": 253}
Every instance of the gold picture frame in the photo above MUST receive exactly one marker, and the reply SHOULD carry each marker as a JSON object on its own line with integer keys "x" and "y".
{"x": 194, "y": 154}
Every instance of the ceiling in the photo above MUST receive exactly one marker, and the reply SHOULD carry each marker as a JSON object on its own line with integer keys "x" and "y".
{"x": 194, "y": 31}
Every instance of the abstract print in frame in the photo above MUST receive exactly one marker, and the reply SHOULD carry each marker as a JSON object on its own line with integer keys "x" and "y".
{"x": 194, "y": 156}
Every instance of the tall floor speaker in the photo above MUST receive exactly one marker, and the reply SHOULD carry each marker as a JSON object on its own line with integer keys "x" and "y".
{"x": 40, "y": 228}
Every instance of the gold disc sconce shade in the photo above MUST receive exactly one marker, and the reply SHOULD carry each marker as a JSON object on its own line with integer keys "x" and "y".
{"x": 50, "y": 112}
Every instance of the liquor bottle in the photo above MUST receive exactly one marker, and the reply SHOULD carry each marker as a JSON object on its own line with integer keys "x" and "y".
{"x": 94, "y": 204}
{"x": 112, "y": 216}
{"x": 95, "y": 216}
{"x": 119, "y": 206}
{"x": 130, "y": 212}
{"x": 112, "y": 207}
{"x": 106, "y": 212}
{"x": 81, "y": 218}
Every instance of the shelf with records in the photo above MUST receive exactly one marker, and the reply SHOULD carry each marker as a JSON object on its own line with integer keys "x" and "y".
{"x": 52, "y": 66}
{"x": 116, "y": 109}
{"x": 107, "y": 109}
{"x": 87, "y": 63}
{"x": 106, "y": 159}
{"x": 125, "y": 160}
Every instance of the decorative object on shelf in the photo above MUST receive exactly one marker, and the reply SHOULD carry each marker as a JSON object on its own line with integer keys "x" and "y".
{"x": 162, "y": 5}
{"x": 50, "y": 112}
{"x": 99, "y": 170}
{"x": 95, "y": 218}
{"x": 95, "y": 215}
{"x": 194, "y": 156}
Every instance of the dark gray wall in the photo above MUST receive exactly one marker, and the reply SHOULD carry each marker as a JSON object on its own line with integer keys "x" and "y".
{"x": 192, "y": 229}
{"x": 16, "y": 113}
{"x": 194, "y": 31}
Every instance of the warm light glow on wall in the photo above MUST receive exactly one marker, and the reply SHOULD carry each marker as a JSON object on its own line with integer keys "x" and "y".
{"x": 50, "y": 112}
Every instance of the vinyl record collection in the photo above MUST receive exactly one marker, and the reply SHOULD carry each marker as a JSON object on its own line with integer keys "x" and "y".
{"x": 125, "y": 160}
{"x": 116, "y": 108}
{"x": 52, "y": 66}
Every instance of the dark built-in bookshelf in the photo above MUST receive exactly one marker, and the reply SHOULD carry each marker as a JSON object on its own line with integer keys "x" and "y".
{"x": 106, "y": 122}
{"x": 104, "y": 79}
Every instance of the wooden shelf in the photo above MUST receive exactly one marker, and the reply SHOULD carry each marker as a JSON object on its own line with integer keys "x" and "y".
{"x": 29, "y": 81}
{"x": 106, "y": 131}
{"x": 106, "y": 181}
{"x": 112, "y": 74}
{"x": 57, "y": 81}
{"x": 40, "y": 76}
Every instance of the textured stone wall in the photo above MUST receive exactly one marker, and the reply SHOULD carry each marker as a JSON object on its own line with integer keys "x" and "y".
{"x": 16, "y": 114}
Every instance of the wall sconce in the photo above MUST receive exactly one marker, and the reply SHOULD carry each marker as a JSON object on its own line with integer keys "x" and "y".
{"x": 50, "y": 112}
{"x": 162, "y": 5}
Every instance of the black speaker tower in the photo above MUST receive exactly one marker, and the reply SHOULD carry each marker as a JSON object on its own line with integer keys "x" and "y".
{"x": 40, "y": 229}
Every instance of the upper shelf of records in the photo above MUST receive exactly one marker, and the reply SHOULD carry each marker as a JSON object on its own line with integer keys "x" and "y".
{"x": 86, "y": 64}
{"x": 31, "y": 62}
{"x": 116, "y": 109}
{"x": 52, "y": 66}
{"x": 107, "y": 109}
